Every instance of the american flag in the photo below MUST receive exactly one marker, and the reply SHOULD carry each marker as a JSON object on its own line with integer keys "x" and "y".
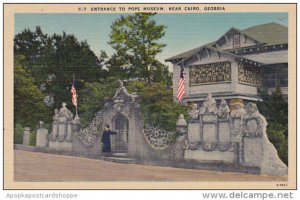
{"x": 180, "y": 90}
{"x": 74, "y": 95}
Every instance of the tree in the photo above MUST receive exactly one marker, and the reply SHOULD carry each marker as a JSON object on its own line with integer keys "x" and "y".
{"x": 33, "y": 47}
{"x": 93, "y": 96}
{"x": 69, "y": 57}
{"x": 29, "y": 105}
{"x": 157, "y": 105}
{"x": 135, "y": 39}
{"x": 53, "y": 60}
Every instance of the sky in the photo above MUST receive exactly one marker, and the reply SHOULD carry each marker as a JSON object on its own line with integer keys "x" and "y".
{"x": 183, "y": 32}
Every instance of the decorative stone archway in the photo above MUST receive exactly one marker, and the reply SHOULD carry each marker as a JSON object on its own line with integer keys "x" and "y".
{"x": 123, "y": 115}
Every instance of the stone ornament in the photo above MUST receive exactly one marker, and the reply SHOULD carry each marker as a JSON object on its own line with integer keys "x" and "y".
{"x": 193, "y": 112}
{"x": 62, "y": 125}
{"x": 181, "y": 125}
{"x": 255, "y": 123}
{"x": 239, "y": 111}
{"x": 122, "y": 93}
{"x": 247, "y": 135}
{"x": 209, "y": 146}
{"x": 209, "y": 106}
{"x": 158, "y": 138}
{"x": 271, "y": 164}
{"x": 54, "y": 133}
{"x": 65, "y": 112}
{"x": 223, "y": 111}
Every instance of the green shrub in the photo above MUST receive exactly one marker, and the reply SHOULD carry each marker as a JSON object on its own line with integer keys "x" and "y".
{"x": 18, "y": 134}
{"x": 276, "y": 135}
{"x": 32, "y": 138}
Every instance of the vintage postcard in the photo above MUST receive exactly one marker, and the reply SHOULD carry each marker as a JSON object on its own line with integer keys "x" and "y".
{"x": 150, "y": 96}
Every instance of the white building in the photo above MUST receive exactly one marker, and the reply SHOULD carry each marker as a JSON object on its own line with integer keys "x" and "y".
{"x": 236, "y": 65}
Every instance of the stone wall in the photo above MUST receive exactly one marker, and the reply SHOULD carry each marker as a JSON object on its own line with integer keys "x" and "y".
{"x": 238, "y": 137}
{"x": 215, "y": 137}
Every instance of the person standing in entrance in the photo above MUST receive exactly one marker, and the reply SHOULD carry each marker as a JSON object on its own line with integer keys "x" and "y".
{"x": 106, "y": 145}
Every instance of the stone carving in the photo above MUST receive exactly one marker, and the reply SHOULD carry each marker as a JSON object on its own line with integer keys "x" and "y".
{"x": 223, "y": 111}
{"x": 224, "y": 126}
{"x": 248, "y": 74}
{"x": 158, "y": 138}
{"x": 209, "y": 106}
{"x": 119, "y": 107}
{"x": 194, "y": 136}
{"x": 208, "y": 120}
{"x": 210, "y": 73}
{"x": 270, "y": 162}
{"x": 65, "y": 112}
{"x": 255, "y": 123}
{"x": 122, "y": 93}
{"x": 239, "y": 111}
{"x": 62, "y": 125}
{"x": 55, "y": 122}
{"x": 89, "y": 134}
{"x": 181, "y": 125}
{"x": 193, "y": 112}
{"x": 237, "y": 136}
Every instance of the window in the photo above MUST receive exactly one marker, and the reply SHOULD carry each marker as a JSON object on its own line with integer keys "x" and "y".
{"x": 236, "y": 40}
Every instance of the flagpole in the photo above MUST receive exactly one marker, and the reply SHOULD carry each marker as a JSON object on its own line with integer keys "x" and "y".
{"x": 76, "y": 97}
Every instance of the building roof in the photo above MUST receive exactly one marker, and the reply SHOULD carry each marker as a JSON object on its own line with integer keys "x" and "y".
{"x": 270, "y": 33}
{"x": 274, "y": 57}
{"x": 190, "y": 52}
{"x": 266, "y": 34}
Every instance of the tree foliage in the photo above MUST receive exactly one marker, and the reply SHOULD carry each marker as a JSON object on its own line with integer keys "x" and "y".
{"x": 29, "y": 105}
{"x": 157, "y": 105}
{"x": 53, "y": 60}
{"x": 92, "y": 98}
{"x": 135, "y": 40}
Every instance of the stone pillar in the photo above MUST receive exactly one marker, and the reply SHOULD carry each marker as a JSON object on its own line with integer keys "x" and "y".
{"x": 76, "y": 124}
{"x": 54, "y": 130}
{"x": 42, "y": 136}
{"x": 55, "y": 124}
{"x": 62, "y": 128}
{"x": 181, "y": 124}
{"x": 69, "y": 136}
{"x": 26, "y": 136}
{"x": 181, "y": 141}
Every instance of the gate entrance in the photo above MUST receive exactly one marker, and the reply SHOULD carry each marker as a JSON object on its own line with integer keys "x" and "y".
{"x": 120, "y": 140}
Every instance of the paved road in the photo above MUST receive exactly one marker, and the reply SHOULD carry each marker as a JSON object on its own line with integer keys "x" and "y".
{"x": 32, "y": 166}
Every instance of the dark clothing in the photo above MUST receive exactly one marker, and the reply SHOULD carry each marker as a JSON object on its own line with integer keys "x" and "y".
{"x": 106, "y": 140}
